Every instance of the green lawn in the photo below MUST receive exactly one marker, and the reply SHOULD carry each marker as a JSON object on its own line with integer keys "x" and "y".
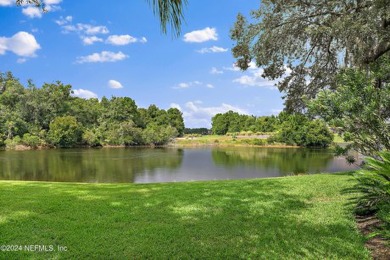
{"x": 283, "y": 218}
{"x": 227, "y": 140}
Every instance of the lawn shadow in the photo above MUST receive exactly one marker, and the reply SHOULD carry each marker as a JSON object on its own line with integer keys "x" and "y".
{"x": 225, "y": 219}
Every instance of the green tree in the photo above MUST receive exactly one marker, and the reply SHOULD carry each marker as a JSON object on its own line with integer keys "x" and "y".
{"x": 158, "y": 135}
{"x": 305, "y": 43}
{"x": 220, "y": 124}
{"x": 297, "y": 129}
{"x": 65, "y": 131}
{"x": 176, "y": 120}
{"x": 359, "y": 108}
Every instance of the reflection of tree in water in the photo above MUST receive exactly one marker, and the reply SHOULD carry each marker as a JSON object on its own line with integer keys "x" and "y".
{"x": 86, "y": 165}
{"x": 287, "y": 161}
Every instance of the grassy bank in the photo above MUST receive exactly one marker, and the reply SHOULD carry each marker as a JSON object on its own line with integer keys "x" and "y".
{"x": 234, "y": 140}
{"x": 220, "y": 140}
{"x": 290, "y": 218}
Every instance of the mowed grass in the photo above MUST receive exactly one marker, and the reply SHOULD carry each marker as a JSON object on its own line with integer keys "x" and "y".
{"x": 222, "y": 140}
{"x": 284, "y": 218}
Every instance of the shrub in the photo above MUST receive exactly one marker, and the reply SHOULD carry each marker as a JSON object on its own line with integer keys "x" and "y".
{"x": 31, "y": 140}
{"x": 11, "y": 143}
{"x": 374, "y": 185}
{"x": 65, "y": 131}
{"x": 91, "y": 138}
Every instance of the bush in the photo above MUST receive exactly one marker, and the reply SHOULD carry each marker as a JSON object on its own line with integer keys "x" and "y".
{"x": 31, "y": 140}
{"x": 91, "y": 138}
{"x": 374, "y": 185}
{"x": 299, "y": 130}
{"x": 11, "y": 143}
{"x": 65, "y": 131}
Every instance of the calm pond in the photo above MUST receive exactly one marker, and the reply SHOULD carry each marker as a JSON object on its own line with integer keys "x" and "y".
{"x": 146, "y": 165}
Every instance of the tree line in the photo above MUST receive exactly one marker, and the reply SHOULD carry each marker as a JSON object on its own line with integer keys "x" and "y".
{"x": 51, "y": 116}
{"x": 290, "y": 129}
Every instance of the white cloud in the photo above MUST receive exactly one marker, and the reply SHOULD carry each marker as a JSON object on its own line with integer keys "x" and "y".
{"x": 22, "y": 44}
{"x": 214, "y": 70}
{"x": 121, "y": 39}
{"x": 234, "y": 67}
{"x": 83, "y": 93}
{"x": 52, "y": 2}
{"x": 32, "y": 12}
{"x": 254, "y": 78}
{"x": 214, "y": 49}
{"x": 21, "y": 60}
{"x": 62, "y": 21}
{"x": 174, "y": 105}
{"x": 184, "y": 85}
{"x": 104, "y": 56}
{"x": 187, "y": 84}
{"x": 197, "y": 115}
{"x": 36, "y": 12}
{"x": 114, "y": 84}
{"x": 92, "y": 30}
{"x": 91, "y": 40}
{"x": 83, "y": 28}
{"x": 6, "y": 2}
{"x": 204, "y": 35}
{"x": 143, "y": 40}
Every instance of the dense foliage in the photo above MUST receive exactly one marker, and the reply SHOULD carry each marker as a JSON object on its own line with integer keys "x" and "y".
{"x": 305, "y": 43}
{"x": 199, "y": 131}
{"x": 234, "y": 122}
{"x": 359, "y": 109}
{"x": 50, "y": 115}
{"x": 374, "y": 184}
{"x": 374, "y": 187}
{"x": 291, "y": 129}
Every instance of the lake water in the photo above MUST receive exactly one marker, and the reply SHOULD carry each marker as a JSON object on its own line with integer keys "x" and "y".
{"x": 147, "y": 165}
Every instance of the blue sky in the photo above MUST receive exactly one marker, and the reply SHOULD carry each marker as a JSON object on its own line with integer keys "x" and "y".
{"x": 116, "y": 48}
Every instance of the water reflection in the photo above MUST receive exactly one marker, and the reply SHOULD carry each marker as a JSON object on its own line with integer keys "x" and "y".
{"x": 86, "y": 165}
{"x": 286, "y": 161}
{"x": 142, "y": 165}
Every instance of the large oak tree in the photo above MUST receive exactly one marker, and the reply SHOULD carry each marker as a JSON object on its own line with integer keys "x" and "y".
{"x": 312, "y": 40}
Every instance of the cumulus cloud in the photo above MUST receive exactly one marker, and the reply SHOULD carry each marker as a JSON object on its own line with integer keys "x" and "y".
{"x": 214, "y": 71}
{"x": 206, "y": 34}
{"x": 174, "y": 105}
{"x": 114, "y": 84}
{"x": 21, "y": 60}
{"x": 6, "y": 2}
{"x": 104, "y": 56}
{"x": 83, "y": 93}
{"x": 52, "y": 2}
{"x": 36, "y": 12}
{"x": 185, "y": 85}
{"x": 121, "y": 39}
{"x": 88, "y": 33}
{"x": 22, "y": 44}
{"x": 32, "y": 12}
{"x": 214, "y": 49}
{"x": 87, "y": 29}
{"x": 91, "y": 40}
{"x": 64, "y": 20}
{"x": 195, "y": 114}
{"x": 254, "y": 79}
